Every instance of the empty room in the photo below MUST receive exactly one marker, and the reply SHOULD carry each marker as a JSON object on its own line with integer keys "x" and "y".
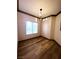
{"x": 39, "y": 29}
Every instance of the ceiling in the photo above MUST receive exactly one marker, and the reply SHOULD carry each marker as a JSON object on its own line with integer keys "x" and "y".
{"x": 49, "y": 7}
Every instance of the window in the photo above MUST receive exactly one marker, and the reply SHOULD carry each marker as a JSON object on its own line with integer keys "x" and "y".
{"x": 31, "y": 27}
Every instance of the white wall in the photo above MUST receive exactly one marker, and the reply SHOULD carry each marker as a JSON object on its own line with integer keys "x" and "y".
{"x": 57, "y": 33}
{"x": 21, "y": 19}
{"x": 48, "y": 27}
{"x": 51, "y": 28}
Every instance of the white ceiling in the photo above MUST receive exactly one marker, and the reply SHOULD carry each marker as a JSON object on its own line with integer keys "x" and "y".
{"x": 49, "y": 7}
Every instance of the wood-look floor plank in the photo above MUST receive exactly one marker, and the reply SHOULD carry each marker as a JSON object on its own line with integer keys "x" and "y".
{"x": 26, "y": 50}
{"x": 38, "y": 48}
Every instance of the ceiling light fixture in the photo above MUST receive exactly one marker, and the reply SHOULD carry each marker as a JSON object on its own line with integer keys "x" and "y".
{"x": 40, "y": 13}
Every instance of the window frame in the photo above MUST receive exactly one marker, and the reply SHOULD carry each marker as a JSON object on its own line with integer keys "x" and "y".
{"x": 32, "y": 27}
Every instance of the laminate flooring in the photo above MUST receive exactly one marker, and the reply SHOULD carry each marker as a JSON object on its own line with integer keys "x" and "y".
{"x": 38, "y": 48}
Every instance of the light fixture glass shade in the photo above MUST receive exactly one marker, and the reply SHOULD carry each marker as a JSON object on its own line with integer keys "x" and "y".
{"x": 40, "y": 13}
